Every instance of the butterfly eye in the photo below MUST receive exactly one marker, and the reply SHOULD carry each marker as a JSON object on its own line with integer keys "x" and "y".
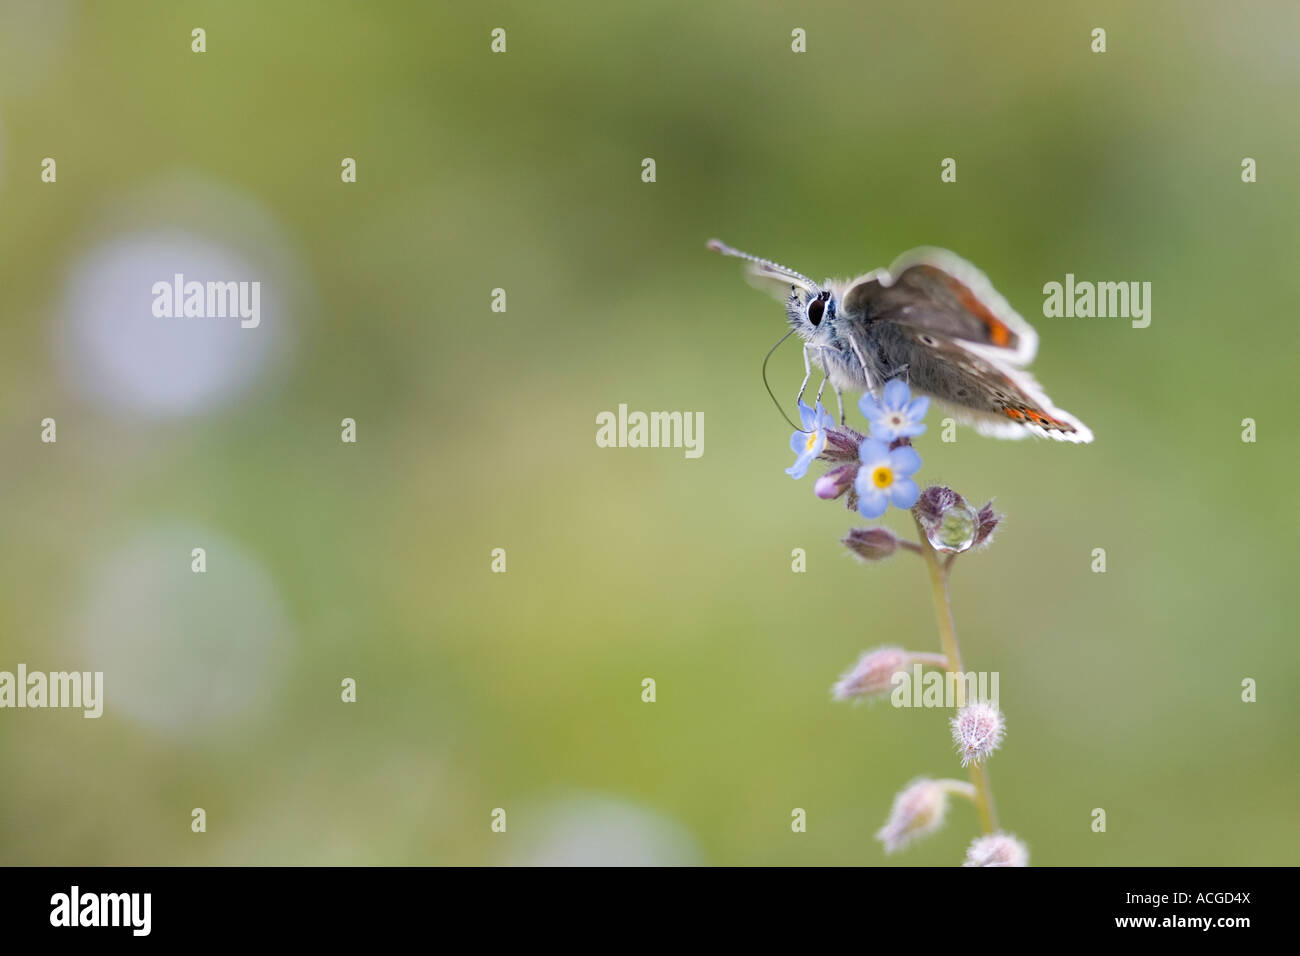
{"x": 815, "y": 309}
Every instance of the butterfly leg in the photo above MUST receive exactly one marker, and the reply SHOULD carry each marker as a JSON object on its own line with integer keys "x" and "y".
{"x": 866, "y": 372}
{"x": 826, "y": 370}
{"x": 807, "y": 374}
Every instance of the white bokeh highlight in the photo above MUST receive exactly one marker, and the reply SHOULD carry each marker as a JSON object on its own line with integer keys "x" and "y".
{"x": 183, "y": 654}
{"x": 129, "y": 363}
{"x": 597, "y": 830}
{"x": 124, "y": 356}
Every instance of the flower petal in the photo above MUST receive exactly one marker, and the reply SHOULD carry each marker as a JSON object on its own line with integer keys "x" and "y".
{"x": 800, "y": 466}
{"x": 797, "y": 442}
{"x": 904, "y": 461}
{"x": 896, "y": 394}
{"x": 873, "y": 452}
{"x": 904, "y": 492}
{"x": 873, "y": 503}
{"x": 916, "y": 411}
{"x": 868, "y": 407}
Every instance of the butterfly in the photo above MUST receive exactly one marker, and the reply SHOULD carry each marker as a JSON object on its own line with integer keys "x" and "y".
{"x": 932, "y": 319}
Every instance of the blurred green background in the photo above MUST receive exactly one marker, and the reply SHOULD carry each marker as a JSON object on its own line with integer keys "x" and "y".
{"x": 476, "y": 429}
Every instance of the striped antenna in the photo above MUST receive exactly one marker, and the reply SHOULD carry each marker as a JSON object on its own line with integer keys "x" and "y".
{"x": 764, "y": 267}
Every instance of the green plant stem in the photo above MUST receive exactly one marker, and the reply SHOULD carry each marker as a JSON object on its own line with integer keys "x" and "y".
{"x": 979, "y": 774}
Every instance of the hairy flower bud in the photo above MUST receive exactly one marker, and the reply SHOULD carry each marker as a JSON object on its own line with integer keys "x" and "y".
{"x": 950, "y": 524}
{"x": 872, "y": 544}
{"x": 874, "y": 672}
{"x": 841, "y": 445}
{"x": 934, "y": 501}
{"x": 836, "y": 481}
{"x": 997, "y": 849}
{"x": 988, "y": 521}
{"x": 918, "y": 811}
{"x": 977, "y": 730}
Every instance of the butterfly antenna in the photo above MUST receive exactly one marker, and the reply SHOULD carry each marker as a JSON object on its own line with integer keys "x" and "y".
{"x": 769, "y": 387}
{"x": 717, "y": 245}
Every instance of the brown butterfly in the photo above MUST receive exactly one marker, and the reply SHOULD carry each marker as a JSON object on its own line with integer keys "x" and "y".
{"x": 932, "y": 319}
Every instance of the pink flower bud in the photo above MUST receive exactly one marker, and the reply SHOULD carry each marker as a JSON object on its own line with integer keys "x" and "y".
{"x": 872, "y": 544}
{"x": 977, "y": 730}
{"x": 872, "y": 674}
{"x": 998, "y": 849}
{"x": 918, "y": 811}
{"x": 988, "y": 521}
{"x": 836, "y": 481}
{"x": 934, "y": 503}
{"x": 842, "y": 445}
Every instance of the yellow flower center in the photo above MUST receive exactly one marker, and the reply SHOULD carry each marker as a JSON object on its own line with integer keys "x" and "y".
{"x": 812, "y": 442}
{"x": 883, "y": 476}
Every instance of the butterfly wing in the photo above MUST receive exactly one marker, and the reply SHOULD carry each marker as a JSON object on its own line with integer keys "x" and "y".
{"x": 935, "y": 290}
{"x": 995, "y": 396}
{"x": 937, "y": 316}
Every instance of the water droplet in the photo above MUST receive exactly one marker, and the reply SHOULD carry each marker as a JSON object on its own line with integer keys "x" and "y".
{"x": 955, "y": 532}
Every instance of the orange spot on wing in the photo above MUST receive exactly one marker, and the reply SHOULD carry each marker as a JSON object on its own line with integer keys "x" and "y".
{"x": 1034, "y": 416}
{"x": 999, "y": 331}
